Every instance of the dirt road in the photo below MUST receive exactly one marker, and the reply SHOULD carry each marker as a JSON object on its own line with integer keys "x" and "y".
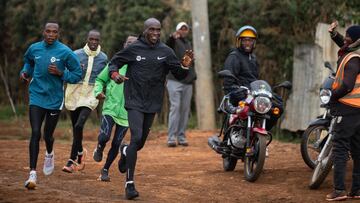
{"x": 181, "y": 174}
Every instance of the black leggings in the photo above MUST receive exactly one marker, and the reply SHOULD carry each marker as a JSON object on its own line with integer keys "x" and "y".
{"x": 139, "y": 124}
{"x": 78, "y": 119}
{"x": 37, "y": 115}
{"x": 107, "y": 122}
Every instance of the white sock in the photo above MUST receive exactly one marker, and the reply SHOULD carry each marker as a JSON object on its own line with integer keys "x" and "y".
{"x": 32, "y": 172}
{"x": 124, "y": 150}
{"x": 129, "y": 182}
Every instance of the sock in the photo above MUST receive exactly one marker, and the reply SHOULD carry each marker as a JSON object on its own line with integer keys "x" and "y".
{"x": 129, "y": 182}
{"x": 124, "y": 150}
{"x": 80, "y": 154}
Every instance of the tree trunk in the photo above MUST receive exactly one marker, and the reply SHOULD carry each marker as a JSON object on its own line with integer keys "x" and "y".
{"x": 204, "y": 85}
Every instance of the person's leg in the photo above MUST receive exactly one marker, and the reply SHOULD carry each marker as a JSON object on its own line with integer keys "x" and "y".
{"x": 185, "y": 104}
{"x": 341, "y": 146}
{"x": 174, "y": 91}
{"x": 140, "y": 124}
{"x": 52, "y": 117}
{"x": 107, "y": 123}
{"x": 78, "y": 133}
{"x": 36, "y": 116}
{"x": 355, "y": 154}
{"x": 120, "y": 132}
{"x": 74, "y": 115}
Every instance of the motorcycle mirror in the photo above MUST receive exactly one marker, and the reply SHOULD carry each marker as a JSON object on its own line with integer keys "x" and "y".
{"x": 286, "y": 84}
{"x": 328, "y": 66}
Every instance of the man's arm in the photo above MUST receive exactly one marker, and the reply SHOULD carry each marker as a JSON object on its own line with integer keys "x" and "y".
{"x": 119, "y": 60}
{"x": 101, "y": 81}
{"x": 231, "y": 64}
{"x": 335, "y": 36}
{"x": 73, "y": 72}
{"x": 28, "y": 68}
{"x": 351, "y": 71}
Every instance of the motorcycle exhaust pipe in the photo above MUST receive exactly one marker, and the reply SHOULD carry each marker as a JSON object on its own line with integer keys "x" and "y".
{"x": 214, "y": 143}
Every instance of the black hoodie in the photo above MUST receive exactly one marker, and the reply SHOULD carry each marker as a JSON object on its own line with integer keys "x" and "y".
{"x": 148, "y": 66}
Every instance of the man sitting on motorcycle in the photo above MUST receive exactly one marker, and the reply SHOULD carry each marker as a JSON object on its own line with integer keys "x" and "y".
{"x": 242, "y": 63}
{"x": 345, "y": 104}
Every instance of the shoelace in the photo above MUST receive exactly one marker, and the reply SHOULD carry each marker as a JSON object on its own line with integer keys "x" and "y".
{"x": 48, "y": 161}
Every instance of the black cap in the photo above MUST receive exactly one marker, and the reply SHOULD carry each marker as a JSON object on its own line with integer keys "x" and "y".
{"x": 354, "y": 32}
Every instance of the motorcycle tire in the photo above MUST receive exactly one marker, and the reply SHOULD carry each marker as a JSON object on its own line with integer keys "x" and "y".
{"x": 229, "y": 163}
{"x": 308, "y": 152}
{"x": 253, "y": 165}
{"x": 321, "y": 171}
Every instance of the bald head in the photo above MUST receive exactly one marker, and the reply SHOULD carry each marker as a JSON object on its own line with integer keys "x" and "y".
{"x": 152, "y": 29}
{"x": 151, "y": 22}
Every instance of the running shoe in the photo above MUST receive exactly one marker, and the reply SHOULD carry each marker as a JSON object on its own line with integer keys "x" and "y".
{"x": 31, "y": 182}
{"x": 49, "y": 163}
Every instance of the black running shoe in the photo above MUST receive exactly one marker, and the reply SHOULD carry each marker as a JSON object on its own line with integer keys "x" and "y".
{"x": 104, "y": 175}
{"x": 122, "y": 160}
{"x": 98, "y": 154}
{"x": 130, "y": 191}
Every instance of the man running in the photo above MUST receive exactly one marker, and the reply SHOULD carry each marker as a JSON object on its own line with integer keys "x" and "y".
{"x": 149, "y": 61}
{"x": 48, "y": 63}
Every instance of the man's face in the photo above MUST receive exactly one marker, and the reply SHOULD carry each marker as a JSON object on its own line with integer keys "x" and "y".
{"x": 51, "y": 32}
{"x": 247, "y": 44}
{"x": 184, "y": 31}
{"x": 347, "y": 40}
{"x": 129, "y": 40}
{"x": 93, "y": 40}
{"x": 152, "y": 33}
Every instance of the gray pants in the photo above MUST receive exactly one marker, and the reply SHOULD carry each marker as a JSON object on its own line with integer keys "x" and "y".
{"x": 180, "y": 100}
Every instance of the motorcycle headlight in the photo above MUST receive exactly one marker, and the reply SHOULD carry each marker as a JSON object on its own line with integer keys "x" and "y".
{"x": 262, "y": 104}
{"x": 325, "y": 95}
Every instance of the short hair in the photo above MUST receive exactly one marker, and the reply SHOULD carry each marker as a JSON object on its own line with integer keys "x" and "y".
{"x": 51, "y": 21}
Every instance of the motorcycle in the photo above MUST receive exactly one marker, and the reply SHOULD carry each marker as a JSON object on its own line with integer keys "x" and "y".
{"x": 243, "y": 128}
{"x": 316, "y": 140}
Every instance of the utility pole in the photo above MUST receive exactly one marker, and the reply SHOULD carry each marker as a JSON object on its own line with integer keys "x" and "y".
{"x": 205, "y": 106}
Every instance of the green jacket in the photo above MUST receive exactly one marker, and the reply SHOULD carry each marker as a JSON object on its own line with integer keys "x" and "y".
{"x": 114, "y": 101}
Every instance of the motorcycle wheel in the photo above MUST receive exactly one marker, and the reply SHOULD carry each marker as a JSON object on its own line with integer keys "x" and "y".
{"x": 254, "y": 164}
{"x": 321, "y": 171}
{"x": 229, "y": 163}
{"x": 310, "y": 144}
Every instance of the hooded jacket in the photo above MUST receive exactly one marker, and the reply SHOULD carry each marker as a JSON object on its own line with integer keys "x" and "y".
{"x": 147, "y": 68}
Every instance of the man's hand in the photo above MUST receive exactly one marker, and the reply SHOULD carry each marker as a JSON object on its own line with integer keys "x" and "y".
{"x": 101, "y": 96}
{"x": 188, "y": 58}
{"x": 53, "y": 70}
{"x": 24, "y": 77}
{"x": 176, "y": 35}
{"x": 333, "y": 26}
{"x": 118, "y": 78}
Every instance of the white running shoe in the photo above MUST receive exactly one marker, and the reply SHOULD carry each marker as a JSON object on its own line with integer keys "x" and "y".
{"x": 31, "y": 182}
{"x": 49, "y": 163}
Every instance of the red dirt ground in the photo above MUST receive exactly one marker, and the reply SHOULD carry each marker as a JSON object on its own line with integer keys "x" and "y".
{"x": 181, "y": 174}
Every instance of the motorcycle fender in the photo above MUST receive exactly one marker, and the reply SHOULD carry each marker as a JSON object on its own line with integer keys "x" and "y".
{"x": 320, "y": 121}
{"x": 260, "y": 131}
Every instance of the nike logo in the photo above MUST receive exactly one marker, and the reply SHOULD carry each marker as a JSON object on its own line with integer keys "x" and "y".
{"x": 53, "y": 114}
{"x": 160, "y": 58}
{"x": 37, "y": 57}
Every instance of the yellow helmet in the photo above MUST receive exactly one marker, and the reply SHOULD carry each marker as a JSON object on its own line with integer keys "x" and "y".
{"x": 246, "y": 31}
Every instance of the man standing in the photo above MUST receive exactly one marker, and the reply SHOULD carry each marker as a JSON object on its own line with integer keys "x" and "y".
{"x": 180, "y": 91}
{"x": 80, "y": 99}
{"x": 50, "y": 63}
{"x": 149, "y": 61}
{"x": 345, "y": 104}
